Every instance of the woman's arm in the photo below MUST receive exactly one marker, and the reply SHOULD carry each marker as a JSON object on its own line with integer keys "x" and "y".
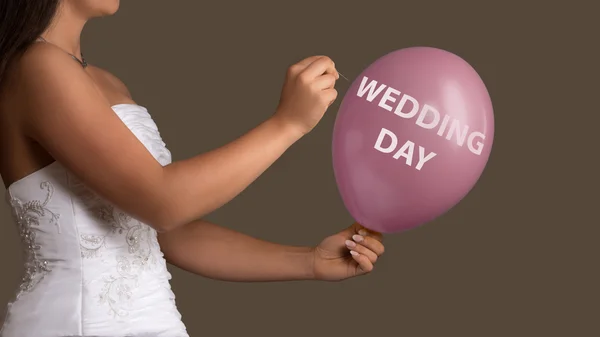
{"x": 65, "y": 113}
{"x": 219, "y": 253}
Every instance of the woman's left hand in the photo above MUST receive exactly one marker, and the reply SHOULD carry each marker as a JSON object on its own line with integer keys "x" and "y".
{"x": 351, "y": 252}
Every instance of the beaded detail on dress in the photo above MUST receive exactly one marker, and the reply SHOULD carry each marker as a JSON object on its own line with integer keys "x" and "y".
{"x": 27, "y": 216}
{"x": 90, "y": 268}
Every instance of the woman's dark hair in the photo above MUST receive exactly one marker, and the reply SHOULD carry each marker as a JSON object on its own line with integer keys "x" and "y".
{"x": 21, "y": 23}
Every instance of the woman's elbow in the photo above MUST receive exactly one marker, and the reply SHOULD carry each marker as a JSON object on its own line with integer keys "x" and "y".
{"x": 164, "y": 222}
{"x": 165, "y": 213}
{"x": 168, "y": 217}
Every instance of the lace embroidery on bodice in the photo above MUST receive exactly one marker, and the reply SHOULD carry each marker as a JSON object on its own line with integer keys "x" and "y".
{"x": 141, "y": 254}
{"x": 90, "y": 268}
{"x": 27, "y": 215}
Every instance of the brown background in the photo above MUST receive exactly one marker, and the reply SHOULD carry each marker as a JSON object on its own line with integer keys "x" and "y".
{"x": 518, "y": 257}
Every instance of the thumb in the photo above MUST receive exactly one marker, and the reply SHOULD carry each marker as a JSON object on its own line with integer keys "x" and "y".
{"x": 353, "y": 229}
{"x": 359, "y": 229}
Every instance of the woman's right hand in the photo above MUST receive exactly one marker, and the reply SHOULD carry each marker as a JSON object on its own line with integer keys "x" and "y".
{"x": 307, "y": 93}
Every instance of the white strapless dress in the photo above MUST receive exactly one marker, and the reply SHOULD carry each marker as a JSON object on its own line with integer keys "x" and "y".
{"x": 90, "y": 269}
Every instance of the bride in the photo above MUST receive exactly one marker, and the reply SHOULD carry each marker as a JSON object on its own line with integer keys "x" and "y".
{"x": 101, "y": 208}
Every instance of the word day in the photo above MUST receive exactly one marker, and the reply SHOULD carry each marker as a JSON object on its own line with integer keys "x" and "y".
{"x": 406, "y": 151}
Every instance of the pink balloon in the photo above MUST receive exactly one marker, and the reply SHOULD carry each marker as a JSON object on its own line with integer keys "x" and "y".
{"x": 412, "y": 137}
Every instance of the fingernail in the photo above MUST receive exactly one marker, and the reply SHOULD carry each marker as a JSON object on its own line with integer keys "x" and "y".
{"x": 362, "y": 232}
{"x": 350, "y": 244}
{"x": 353, "y": 253}
{"x": 357, "y": 238}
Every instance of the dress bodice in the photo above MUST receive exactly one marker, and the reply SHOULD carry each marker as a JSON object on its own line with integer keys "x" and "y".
{"x": 90, "y": 268}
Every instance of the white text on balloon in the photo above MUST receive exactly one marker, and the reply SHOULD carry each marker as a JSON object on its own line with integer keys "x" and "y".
{"x": 406, "y": 151}
{"x": 473, "y": 139}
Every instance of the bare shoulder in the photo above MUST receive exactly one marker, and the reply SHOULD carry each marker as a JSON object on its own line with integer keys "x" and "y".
{"x": 35, "y": 64}
{"x": 35, "y": 75}
{"x": 38, "y": 62}
{"x": 47, "y": 82}
{"x": 44, "y": 69}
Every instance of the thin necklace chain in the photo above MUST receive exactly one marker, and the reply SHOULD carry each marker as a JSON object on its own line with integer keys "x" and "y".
{"x": 83, "y": 62}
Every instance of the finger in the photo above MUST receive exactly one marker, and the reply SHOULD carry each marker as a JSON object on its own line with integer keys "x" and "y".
{"x": 364, "y": 265}
{"x": 297, "y": 68}
{"x": 370, "y": 243}
{"x": 367, "y": 232}
{"x": 353, "y": 229}
{"x": 319, "y": 67}
{"x": 329, "y": 95}
{"x": 326, "y": 81}
{"x": 351, "y": 245}
{"x": 310, "y": 60}
{"x": 307, "y": 61}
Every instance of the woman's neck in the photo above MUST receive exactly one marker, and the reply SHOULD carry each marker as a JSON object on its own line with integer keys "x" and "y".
{"x": 65, "y": 30}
